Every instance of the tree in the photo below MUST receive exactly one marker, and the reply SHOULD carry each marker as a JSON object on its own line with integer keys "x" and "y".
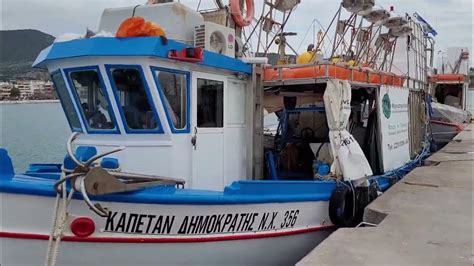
{"x": 15, "y": 92}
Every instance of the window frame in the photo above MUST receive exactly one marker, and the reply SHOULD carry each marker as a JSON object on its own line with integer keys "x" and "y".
{"x": 146, "y": 87}
{"x": 174, "y": 130}
{"x": 61, "y": 100}
{"x": 90, "y": 130}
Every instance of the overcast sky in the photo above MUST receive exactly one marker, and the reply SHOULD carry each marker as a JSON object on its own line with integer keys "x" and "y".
{"x": 453, "y": 19}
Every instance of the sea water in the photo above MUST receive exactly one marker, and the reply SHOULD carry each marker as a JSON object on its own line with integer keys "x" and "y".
{"x": 33, "y": 133}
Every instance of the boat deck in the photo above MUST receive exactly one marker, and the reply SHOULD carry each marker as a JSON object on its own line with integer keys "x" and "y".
{"x": 424, "y": 220}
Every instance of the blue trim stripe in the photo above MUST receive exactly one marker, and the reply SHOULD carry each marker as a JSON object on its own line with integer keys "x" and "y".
{"x": 159, "y": 128}
{"x": 138, "y": 46}
{"x": 103, "y": 88}
{"x": 242, "y": 192}
{"x": 164, "y": 100}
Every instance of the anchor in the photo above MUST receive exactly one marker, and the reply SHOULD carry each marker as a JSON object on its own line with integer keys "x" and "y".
{"x": 89, "y": 178}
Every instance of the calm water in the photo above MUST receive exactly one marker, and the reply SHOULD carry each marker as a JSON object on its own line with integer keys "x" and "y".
{"x": 33, "y": 133}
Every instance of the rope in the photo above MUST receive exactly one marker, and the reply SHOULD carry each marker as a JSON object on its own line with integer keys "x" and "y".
{"x": 134, "y": 9}
{"x": 59, "y": 223}
{"x": 404, "y": 170}
{"x": 49, "y": 255}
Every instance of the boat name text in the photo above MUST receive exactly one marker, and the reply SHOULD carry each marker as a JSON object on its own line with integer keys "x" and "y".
{"x": 151, "y": 224}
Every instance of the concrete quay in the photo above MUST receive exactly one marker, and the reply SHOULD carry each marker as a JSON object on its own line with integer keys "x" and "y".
{"x": 425, "y": 219}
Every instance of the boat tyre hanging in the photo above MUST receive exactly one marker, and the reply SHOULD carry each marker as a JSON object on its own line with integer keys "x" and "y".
{"x": 236, "y": 11}
{"x": 342, "y": 207}
{"x": 345, "y": 210}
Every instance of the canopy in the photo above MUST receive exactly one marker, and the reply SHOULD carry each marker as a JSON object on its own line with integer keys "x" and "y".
{"x": 349, "y": 159}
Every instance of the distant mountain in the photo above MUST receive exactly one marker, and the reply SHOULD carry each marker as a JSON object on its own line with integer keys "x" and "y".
{"x": 18, "y": 50}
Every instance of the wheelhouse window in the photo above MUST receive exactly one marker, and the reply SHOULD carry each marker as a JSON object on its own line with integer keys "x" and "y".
{"x": 174, "y": 91}
{"x": 210, "y": 103}
{"x": 66, "y": 101}
{"x": 133, "y": 99}
{"x": 92, "y": 98}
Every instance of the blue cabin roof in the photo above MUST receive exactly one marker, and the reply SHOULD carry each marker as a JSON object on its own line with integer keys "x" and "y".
{"x": 137, "y": 46}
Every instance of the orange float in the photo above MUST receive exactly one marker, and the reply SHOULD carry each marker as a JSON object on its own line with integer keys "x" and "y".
{"x": 361, "y": 75}
{"x": 235, "y": 10}
{"x": 375, "y": 78}
{"x": 448, "y": 78}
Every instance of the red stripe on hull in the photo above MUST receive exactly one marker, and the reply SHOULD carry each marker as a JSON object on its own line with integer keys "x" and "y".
{"x": 167, "y": 239}
{"x": 459, "y": 127}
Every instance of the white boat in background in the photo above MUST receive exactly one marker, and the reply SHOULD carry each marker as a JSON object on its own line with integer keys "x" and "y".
{"x": 447, "y": 122}
{"x": 450, "y": 109}
{"x": 166, "y": 164}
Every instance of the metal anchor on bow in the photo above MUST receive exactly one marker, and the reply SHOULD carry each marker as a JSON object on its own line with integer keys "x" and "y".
{"x": 89, "y": 178}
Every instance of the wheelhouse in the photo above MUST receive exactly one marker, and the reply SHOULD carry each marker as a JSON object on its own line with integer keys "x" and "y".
{"x": 450, "y": 89}
{"x": 175, "y": 119}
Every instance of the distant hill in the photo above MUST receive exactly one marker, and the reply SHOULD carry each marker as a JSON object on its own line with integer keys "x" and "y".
{"x": 18, "y": 50}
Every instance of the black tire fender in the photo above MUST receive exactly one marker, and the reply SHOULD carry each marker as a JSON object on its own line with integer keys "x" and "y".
{"x": 341, "y": 207}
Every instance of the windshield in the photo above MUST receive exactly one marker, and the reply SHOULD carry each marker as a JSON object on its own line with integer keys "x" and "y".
{"x": 92, "y": 99}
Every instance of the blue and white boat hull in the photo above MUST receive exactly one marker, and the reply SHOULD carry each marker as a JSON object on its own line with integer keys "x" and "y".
{"x": 273, "y": 230}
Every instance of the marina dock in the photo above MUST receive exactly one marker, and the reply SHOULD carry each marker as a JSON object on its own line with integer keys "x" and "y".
{"x": 425, "y": 219}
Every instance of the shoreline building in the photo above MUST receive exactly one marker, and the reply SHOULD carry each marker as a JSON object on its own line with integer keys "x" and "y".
{"x": 5, "y": 89}
{"x": 28, "y": 89}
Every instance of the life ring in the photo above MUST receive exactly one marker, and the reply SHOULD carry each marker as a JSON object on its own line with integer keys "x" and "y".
{"x": 236, "y": 12}
{"x": 341, "y": 207}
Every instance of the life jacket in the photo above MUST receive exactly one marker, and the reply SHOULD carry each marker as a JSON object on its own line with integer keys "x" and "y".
{"x": 305, "y": 58}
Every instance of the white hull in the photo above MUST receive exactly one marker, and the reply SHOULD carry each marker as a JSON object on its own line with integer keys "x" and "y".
{"x": 26, "y": 222}
{"x": 284, "y": 250}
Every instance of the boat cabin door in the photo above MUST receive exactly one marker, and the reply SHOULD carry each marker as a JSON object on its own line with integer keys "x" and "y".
{"x": 208, "y": 92}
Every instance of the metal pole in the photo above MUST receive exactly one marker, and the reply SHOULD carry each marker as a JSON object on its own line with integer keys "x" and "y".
{"x": 325, "y": 33}
{"x": 278, "y": 33}
{"x": 335, "y": 35}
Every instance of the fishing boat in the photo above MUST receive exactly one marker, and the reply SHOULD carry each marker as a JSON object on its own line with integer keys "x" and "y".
{"x": 446, "y": 123}
{"x": 450, "y": 95}
{"x": 166, "y": 163}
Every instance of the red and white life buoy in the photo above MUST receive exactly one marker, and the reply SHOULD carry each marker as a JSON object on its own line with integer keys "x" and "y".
{"x": 236, "y": 12}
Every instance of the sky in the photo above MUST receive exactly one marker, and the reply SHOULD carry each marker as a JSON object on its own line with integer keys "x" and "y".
{"x": 453, "y": 19}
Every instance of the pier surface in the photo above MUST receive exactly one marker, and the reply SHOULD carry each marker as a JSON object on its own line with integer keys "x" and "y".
{"x": 425, "y": 219}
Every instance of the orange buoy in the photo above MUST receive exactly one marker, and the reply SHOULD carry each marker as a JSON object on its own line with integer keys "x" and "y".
{"x": 235, "y": 10}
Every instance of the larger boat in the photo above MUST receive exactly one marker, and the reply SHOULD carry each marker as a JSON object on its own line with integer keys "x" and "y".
{"x": 167, "y": 165}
